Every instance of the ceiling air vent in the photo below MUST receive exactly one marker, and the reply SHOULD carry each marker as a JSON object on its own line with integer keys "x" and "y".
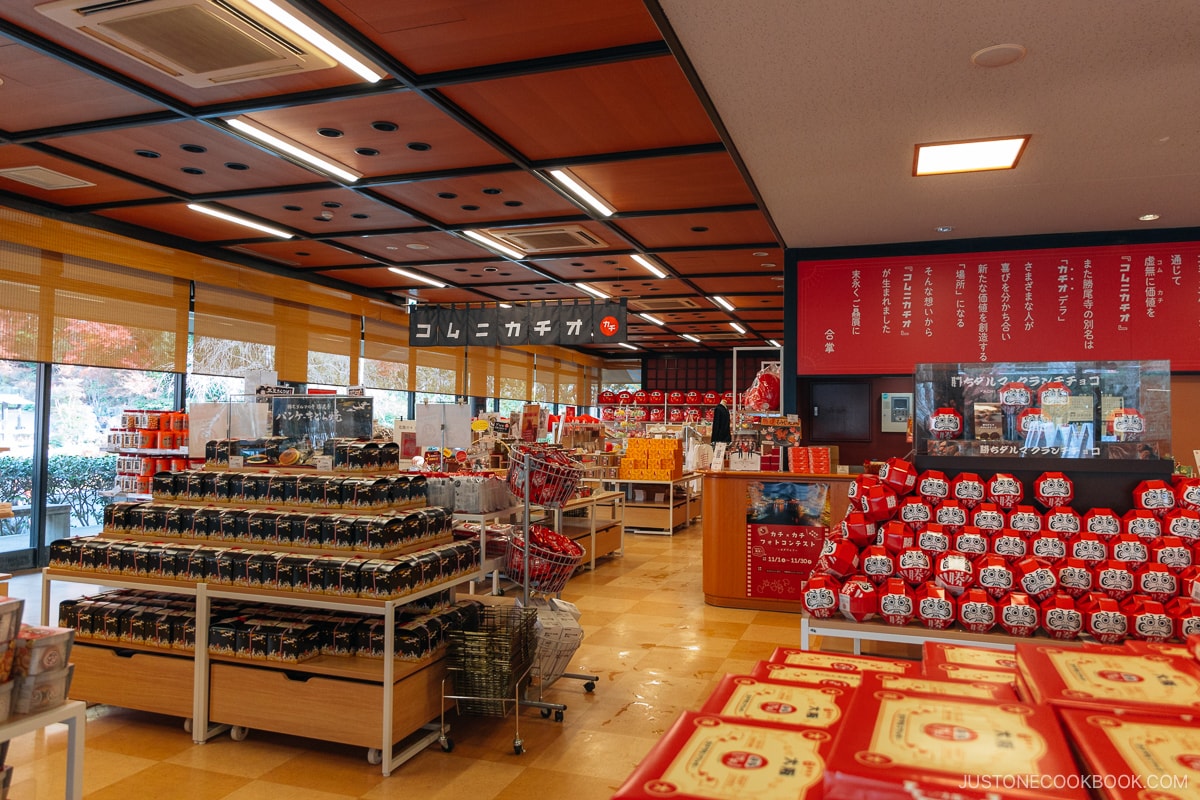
{"x": 44, "y": 178}
{"x": 664, "y": 304}
{"x": 198, "y": 42}
{"x": 547, "y": 240}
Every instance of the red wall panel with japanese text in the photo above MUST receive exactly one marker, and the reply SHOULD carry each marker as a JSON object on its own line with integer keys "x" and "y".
{"x": 883, "y": 315}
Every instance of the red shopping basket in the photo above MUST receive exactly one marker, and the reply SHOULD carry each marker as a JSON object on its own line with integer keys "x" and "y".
{"x": 549, "y": 559}
{"x": 549, "y": 474}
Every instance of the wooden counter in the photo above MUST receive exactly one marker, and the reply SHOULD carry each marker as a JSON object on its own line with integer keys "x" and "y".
{"x": 725, "y": 537}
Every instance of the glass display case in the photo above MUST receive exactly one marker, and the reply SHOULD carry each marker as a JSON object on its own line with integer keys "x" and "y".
{"x": 1104, "y": 410}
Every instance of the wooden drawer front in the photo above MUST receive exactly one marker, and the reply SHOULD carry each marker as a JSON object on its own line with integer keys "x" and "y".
{"x": 331, "y": 709}
{"x": 161, "y": 684}
{"x": 608, "y": 540}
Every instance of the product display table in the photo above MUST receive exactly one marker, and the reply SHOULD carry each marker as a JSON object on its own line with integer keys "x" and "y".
{"x": 909, "y": 634}
{"x": 658, "y": 506}
{"x": 72, "y": 714}
{"x": 597, "y": 535}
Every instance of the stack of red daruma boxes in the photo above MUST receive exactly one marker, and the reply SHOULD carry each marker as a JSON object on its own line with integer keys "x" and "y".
{"x": 809, "y": 725}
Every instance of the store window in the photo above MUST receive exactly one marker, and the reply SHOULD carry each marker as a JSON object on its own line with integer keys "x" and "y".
{"x": 18, "y": 384}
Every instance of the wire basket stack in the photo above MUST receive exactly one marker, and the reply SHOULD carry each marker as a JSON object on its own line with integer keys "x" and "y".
{"x": 489, "y": 665}
{"x": 547, "y": 475}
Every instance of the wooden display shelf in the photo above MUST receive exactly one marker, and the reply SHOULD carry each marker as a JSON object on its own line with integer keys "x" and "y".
{"x": 245, "y": 505}
{"x": 657, "y": 518}
{"x": 318, "y": 707}
{"x": 425, "y": 544}
{"x": 357, "y": 668}
{"x": 606, "y": 539}
{"x": 671, "y": 504}
{"x": 913, "y": 633}
{"x": 598, "y": 536}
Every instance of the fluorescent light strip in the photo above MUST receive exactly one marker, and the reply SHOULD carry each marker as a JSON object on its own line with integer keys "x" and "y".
{"x": 249, "y": 223}
{"x": 944, "y": 158}
{"x": 737, "y": 327}
{"x": 318, "y": 40}
{"x": 592, "y": 291}
{"x": 649, "y": 265}
{"x": 627, "y": 346}
{"x": 272, "y": 139}
{"x": 492, "y": 244}
{"x": 773, "y": 343}
{"x": 506, "y": 305}
{"x": 722, "y": 302}
{"x": 649, "y": 318}
{"x": 582, "y": 192}
{"x": 417, "y": 277}
{"x": 689, "y": 337}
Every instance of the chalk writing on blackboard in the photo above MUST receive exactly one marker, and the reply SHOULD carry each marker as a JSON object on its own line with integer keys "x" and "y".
{"x": 318, "y": 418}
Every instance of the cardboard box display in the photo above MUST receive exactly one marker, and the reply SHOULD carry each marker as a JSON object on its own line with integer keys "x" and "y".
{"x": 1136, "y": 756}
{"x": 783, "y": 702}
{"x": 842, "y": 662}
{"x": 39, "y": 649}
{"x": 709, "y": 757}
{"x": 934, "y": 653}
{"x": 1092, "y": 679}
{"x": 38, "y": 692}
{"x": 908, "y": 745}
{"x": 932, "y": 685}
{"x": 820, "y": 676}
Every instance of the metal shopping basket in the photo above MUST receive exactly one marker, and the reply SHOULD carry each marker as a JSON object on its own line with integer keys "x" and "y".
{"x": 541, "y": 475}
{"x": 542, "y": 569}
{"x": 490, "y": 666}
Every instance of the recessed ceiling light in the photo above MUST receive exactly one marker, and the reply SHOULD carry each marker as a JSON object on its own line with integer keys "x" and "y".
{"x": 591, "y": 291}
{"x": 417, "y": 246}
{"x": 768, "y": 264}
{"x": 737, "y": 327}
{"x": 318, "y": 40}
{"x": 760, "y": 254}
{"x": 1148, "y": 217}
{"x": 650, "y": 318}
{"x": 689, "y": 337}
{"x": 296, "y": 150}
{"x": 973, "y": 155}
{"x": 650, "y": 266}
{"x": 576, "y": 188}
{"x": 773, "y": 343}
{"x": 722, "y": 302}
{"x": 249, "y": 223}
{"x": 627, "y": 346}
{"x": 493, "y": 244}
{"x": 998, "y": 55}
{"x": 944, "y": 228}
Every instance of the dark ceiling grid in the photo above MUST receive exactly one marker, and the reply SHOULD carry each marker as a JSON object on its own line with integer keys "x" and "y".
{"x": 426, "y": 85}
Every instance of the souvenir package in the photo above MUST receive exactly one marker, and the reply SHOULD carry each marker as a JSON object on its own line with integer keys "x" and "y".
{"x": 909, "y": 745}
{"x": 707, "y": 756}
{"x": 795, "y": 673}
{"x": 784, "y": 702}
{"x": 927, "y": 685}
{"x": 1101, "y": 680}
{"x": 964, "y": 655}
{"x": 842, "y": 661}
{"x": 1131, "y": 753}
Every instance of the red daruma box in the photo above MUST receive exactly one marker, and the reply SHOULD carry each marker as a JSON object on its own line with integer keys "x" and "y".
{"x": 767, "y": 671}
{"x": 1101, "y": 680}
{"x": 902, "y": 683}
{"x": 911, "y": 745}
{"x": 783, "y": 702}
{"x": 704, "y": 756}
{"x": 1136, "y": 756}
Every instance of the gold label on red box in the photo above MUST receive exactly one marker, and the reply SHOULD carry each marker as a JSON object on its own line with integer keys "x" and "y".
{"x": 1123, "y": 678}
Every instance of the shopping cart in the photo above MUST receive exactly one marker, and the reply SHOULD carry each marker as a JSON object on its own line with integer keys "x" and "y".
{"x": 490, "y": 666}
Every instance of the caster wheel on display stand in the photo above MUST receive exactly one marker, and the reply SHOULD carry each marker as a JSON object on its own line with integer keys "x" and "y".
{"x": 589, "y": 687}
{"x": 518, "y": 746}
{"x": 558, "y": 716}
{"x": 374, "y": 756}
{"x": 238, "y": 733}
{"x": 545, "y": 713}
{"x": 447, "y": 743}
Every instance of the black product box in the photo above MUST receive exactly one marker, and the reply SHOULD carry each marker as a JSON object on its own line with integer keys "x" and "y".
{"x": 389, "y": 456}
{"x": 263, "y": 568}
{"x": 151, "y": 520}
{"x": 229, "y": 567}
{"x": 282, "y": 489}
{"x": 223, "y": 486}
{"x": 116, "y": 516}
{"x": 95, "y": 554}
{"x": 385, "y": 578}
{"x": 190, "y": 485}
{"x": 254, "y": 488}
{"x": 85, "y": 617}
{"x": 417, "y": 485}
{"x": 368, "y": 638}
{"x": 110, "y": 620}
{"x": 253, "y": 642}
{"x": 290, "y": 528}
{"x": 67, "y": 553}
{"x": 438, "y": 522}
{"x": 206, "y": 523}
{"x": 261, "y": 525}
{"x": 310, "y": 490}
{"x": 192, "y": 562}
{"x": 412, "y": 528}
{"x": 183, "y": 630}
{"x": 292, "y": 572}
{"x": 127, "y": 622}
{"x": 165, "y": 485}
{"x": 181, "y": 523}
{"x": 345, "y": 635}
{"x": 344, "y": 535}
{"x": 335, "y": 490}
{"x": 308, "y": 576}
{"x": 335, "y": 575}
{"x": 68, "y": 612}
{"x": 293, "y": 643}
{"x": 143, "y": 627}
{"x": 326, "y": 529}
{"x": 414, "y": 640}
{"x": 235, "y": 525}
{"x": 222, "y": 636}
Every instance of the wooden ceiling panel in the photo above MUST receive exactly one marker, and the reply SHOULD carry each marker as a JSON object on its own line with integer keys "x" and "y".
{"x": 733, "y": 284}
{"x": 611, "y": 108}
{"x": 302, "y": 253}
{"x": 439, "y": 35}
{"x": 537, "y": 291}
{"x": 694, "y": 181}
{"x": 427, "y": 294}
{"x": 43, "y": 92}
{"x": 23, "y": 13}
{"x": 106, "y": 188}
{"x": 177, "y": 220}
{"x": 415, "y": 248}
{"x": 647, "y": 287}
{"x": 499, "y": 271}
{"x": 494, "y": 197}
{"x": 594, "y": 268}
{"x": 426, "y": 139}
{"x": 699, "y": 262}
{"x": 323, "y": 210}
{"x": 223, "y": 162}
{"x": 699, "y": 231}
{"x": 373, "y": 277}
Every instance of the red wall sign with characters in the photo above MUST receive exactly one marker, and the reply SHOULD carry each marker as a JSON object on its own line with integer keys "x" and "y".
{"x": 883, "y": 315}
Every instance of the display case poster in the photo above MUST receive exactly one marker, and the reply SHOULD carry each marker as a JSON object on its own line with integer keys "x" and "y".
{"x": 320, "y": 417}
{"x": 882, "y": 315}
{"x": 786, "y": 524}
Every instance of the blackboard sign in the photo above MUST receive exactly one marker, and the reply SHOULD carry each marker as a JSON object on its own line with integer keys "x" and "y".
{"x": 320, "y": 417}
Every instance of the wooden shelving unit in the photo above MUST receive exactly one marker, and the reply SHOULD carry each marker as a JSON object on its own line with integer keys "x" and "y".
{"x": 659, "y": 507}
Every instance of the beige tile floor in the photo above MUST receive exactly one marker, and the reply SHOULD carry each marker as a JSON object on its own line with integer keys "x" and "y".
{"x": 656, "y": 646}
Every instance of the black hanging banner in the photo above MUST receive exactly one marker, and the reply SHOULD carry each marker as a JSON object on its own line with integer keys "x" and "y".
{"x": 483, "y": 327}
{"x": 514, "y": 325}
{"x": 578, "y": 322}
